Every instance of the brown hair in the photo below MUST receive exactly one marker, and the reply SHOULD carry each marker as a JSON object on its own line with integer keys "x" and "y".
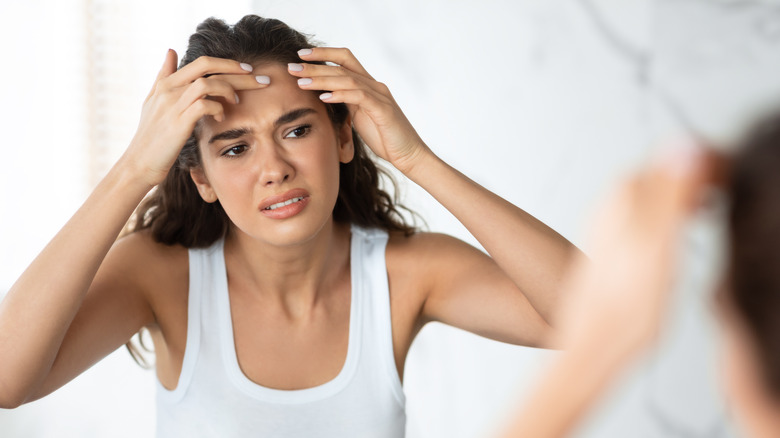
{"x": 753, "y": 286}
{"x": 176, "y": 214}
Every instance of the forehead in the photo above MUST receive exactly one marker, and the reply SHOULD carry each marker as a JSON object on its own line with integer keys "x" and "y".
{"x": 261, "y": 107}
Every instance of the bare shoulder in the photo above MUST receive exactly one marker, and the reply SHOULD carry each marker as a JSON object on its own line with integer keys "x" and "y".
{"x": 148, "y": 259}
{"x": 156, "y": 270}
{"x": 427, "y": 258}
{"x": 417, "y": 265}
{"x": 428, "y": 248}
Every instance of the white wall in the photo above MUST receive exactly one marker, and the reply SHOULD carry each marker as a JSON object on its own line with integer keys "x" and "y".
{"x": 545, "y": 102}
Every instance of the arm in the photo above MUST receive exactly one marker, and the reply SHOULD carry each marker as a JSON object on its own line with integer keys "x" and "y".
{"x": 38, "y": 309}
{"x": 530, "y": 253}
{"x": 45, "y": 310}
{"x": 618, "y": 299}
{"x": 524, "y": 251}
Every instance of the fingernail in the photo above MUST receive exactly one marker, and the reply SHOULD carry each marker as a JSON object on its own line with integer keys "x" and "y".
{"x": 688, "y": 160}
{"x": 326, "y": 96}
{"x": 682, "y": 157}
{"x": 246, "y": 66}
{"x": 264, "y": 80}
{"x": 305, "y": 81}
{"x": 295, "y": 67}
{"x": 236, "y": 96}
{"x": 304, "y": 52}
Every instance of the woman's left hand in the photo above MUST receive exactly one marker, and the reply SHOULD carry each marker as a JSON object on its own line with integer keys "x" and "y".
{"x": 375, "y": 114}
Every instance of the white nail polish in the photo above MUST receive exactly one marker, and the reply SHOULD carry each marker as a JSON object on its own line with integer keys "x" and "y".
{"x": 681, "y": 156}
{"x": 304, "y": 52}
{"x": 264, "y": 80}
{"x": 246, "y": 66}
{"x": 326, "y": 96}
{"x": 236, "y": 96}
{"x": 305, "y": 81}
{"x": 295, "y": 67}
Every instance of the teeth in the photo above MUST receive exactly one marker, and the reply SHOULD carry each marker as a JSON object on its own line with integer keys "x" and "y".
{"x": 282, "y": 204}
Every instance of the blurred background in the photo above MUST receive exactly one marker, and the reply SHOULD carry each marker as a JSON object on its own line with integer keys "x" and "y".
{"x": 545, "y": 102}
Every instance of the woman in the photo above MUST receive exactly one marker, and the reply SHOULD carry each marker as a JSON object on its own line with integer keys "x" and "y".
{"x": 620, "y": 294}
{"x": 280, "y": 285}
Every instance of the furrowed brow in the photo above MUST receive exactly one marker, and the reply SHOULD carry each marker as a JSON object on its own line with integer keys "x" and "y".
{"x": 292, "y": 116}
{"x": 230, "y": 134}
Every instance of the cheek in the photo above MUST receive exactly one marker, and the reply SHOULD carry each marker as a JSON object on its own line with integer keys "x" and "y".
{"x": 230, "y": 180}
{"x": 319, "y": 159}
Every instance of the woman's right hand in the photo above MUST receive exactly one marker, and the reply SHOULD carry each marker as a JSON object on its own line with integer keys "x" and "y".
{"x": 177, "y": 101}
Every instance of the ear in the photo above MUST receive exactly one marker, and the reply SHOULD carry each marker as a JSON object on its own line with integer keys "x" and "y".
{"x": 202, "y": 183}
{"x": 346, "y": 145}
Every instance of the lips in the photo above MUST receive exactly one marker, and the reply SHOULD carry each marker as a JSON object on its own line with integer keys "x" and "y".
{"x": 284, "y": 197}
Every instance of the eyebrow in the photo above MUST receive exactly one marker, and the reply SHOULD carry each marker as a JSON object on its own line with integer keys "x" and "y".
{"x": 290, "y": 116}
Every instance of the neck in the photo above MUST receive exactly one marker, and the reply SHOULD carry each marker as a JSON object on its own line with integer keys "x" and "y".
{"x": 294, "y": 275}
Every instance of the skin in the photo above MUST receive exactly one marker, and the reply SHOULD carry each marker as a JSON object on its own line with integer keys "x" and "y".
{"x": 288, "y": 279}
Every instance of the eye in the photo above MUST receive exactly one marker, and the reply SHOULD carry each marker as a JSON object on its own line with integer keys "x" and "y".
{"x": 299, "y": 132}
{"x": 234, "y": 151}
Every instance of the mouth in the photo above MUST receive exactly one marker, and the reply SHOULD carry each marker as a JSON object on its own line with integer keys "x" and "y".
{"x": 285, "y": 205}
{"x": 282, "y": 204}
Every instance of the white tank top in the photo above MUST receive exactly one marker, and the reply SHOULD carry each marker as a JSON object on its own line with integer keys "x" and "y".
{"x": 214, "y": 398}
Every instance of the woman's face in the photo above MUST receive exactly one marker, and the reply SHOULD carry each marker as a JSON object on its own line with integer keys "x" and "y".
{"x": 276, "y": 147}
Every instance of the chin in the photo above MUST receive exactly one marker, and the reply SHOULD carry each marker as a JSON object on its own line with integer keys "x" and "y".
{"x": 288, "y": 232}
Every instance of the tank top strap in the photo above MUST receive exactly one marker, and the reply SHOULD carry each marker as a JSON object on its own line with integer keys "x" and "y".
{"x": 204, "y": 269}
{"x": 369, "y": 247}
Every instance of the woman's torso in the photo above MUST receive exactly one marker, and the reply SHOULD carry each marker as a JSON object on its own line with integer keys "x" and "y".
{"x": 309, "y": 353}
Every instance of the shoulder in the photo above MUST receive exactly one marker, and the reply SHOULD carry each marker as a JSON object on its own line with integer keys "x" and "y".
{"x": 147, "y": 264}
{"x": 428, "y": 258}
{"x": 423, "y": 245}
{"x": 139, "y": 252}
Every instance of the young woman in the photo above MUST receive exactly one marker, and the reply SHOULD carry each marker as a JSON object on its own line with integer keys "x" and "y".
{"x": 280, "y": 285}
{"x": 621, "y": 292}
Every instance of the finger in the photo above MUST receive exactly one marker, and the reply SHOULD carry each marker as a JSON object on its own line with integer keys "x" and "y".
{"x": 168, "y": 68}
{"x": 334, "y": 83}
{"x": 685, "y": 174}
{"x": 366, "y": 99}
{"x": 207, "y": 65}
{"x": 340, "y": 56}
{"x": 207, "y": 87}
{"x": 244, "y": 82}
{"x": 201, "y": 108}
{"x": 666, "y": 191}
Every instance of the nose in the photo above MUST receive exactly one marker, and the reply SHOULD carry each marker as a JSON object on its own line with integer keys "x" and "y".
{"x": 273, "y": 165}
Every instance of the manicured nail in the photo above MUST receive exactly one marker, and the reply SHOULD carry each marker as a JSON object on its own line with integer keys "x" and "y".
{"x": 236, "y": 96}
{"x": 246, "y": 66}
{"x": 681, "y": 157}
{"x": 305, "y": 81}
{"x": 295, "y": 67}
{"x": 326, "y": 96}
{"x": 304, "y": 52}
{"x": 688, "y": 159}
{"x": 263, "y": 80}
